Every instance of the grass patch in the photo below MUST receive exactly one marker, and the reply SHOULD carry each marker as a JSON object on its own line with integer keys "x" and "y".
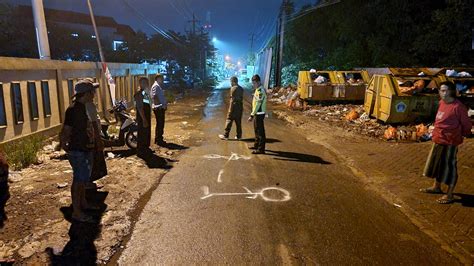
{"x": 22, "y": 153}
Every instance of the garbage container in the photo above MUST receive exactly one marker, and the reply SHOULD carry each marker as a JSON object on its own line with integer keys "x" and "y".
{"x": 463, "y": 79}
{"x": 404, "y": 96}
{"x": 332, "y": 85}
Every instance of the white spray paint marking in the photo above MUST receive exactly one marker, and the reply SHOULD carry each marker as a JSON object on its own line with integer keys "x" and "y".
{"x": 251, "y": 195}
{"x": 232, "y": 157}
{"x": 219, "y": 177}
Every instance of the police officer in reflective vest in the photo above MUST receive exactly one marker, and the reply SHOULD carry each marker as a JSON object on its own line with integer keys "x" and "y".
{"x": 259, "y": 108}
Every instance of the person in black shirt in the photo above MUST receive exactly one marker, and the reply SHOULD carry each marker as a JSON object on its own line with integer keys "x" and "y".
{"x": 142, "y": 105}
{"x": 78, "y": 140}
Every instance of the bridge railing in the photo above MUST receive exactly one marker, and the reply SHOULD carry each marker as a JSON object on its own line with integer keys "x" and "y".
{"x": 34, "y": 94}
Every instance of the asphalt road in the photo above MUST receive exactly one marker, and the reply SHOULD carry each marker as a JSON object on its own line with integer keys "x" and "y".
{"x": 296, "y": 204}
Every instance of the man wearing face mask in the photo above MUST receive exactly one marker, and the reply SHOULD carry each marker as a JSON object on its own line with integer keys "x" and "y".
{"x": 451, "y": 125}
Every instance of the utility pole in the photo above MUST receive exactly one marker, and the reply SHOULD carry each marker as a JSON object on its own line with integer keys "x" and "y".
{"x": 41, "y": 31}
{"x": 278, "y": 45}
{"x": 251, "y": 39}
{"x": 280, "y": 42}
{"x": 107, "y": 75}
{"x": 101, "y": 54}
{"x": 194, "y": 21}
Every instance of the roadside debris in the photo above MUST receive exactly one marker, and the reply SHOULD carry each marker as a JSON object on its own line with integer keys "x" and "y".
{"x": 62, "y": 185}
{"x": 353, "y": 118}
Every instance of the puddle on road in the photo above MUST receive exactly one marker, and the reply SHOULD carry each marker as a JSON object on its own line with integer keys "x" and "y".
{"x": 214, "y": 102}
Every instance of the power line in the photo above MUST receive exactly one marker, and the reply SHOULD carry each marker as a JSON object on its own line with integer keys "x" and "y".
{"x": 186, "y": 9}
{"x": 152, "y": 25}
{"x": 269, "y": 35}
{"x": 180, "y": 12}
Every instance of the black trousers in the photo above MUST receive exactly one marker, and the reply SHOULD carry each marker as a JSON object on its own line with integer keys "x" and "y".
{"x": 160, "y": 124}
{"x": 259, "y": 128}
{"x": 144, "y": 133}
{"x": 4, "y": 196}
{"x": 238, "y": 124}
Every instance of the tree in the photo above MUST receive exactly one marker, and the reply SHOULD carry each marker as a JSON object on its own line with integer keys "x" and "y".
{"x": 378, "y": 33}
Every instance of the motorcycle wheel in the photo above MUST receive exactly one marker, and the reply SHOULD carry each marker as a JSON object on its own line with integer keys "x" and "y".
{"x": 131, "y": 139}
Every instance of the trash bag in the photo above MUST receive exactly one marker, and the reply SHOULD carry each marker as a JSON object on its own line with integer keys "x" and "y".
{"x": 451, "y": 73}
{"x": 461, "y": 87}
{"x": 352, "y": 115}
{"x": 464, "y": 74}
{"x": 390, "y": 133}
{"x": 421, "y": 130}
{"x": 320, "y": 80}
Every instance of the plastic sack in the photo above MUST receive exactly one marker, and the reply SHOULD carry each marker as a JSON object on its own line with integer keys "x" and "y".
{"x": 464, "y": 74}
{"x": 390, "y": 133}
{"x": 421, "y": 130}
{"x": 320, "y": 80}
{"x": 352, "y": 115}
{"x": 451, "y": 73}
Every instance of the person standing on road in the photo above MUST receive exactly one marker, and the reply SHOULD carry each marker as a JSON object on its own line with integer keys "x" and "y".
{"x": 142, "y": 105}
{"x": 259, "y": 107}
{"x": 159, "y": 105}
{"x": 451, "y": 125}
{"x": 77, "y": 138}
{"x": 235, "y": 110}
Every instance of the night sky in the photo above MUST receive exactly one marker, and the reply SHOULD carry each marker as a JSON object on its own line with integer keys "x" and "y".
{"x": 232, "y": 20}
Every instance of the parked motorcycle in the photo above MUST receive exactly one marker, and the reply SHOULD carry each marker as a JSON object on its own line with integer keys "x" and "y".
{"x": 128, "y": 133}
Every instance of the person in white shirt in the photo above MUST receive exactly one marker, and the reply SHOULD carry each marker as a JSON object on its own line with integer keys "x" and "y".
{"x": 159, "y": 105}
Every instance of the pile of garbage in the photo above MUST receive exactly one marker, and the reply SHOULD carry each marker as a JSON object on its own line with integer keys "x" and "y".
{"x": 285, "y": 95}
{"x": 462, "y": 87}
{"x": 353, "y": 119}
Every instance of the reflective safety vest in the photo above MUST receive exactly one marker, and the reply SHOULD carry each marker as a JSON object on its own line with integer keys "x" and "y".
{"x": 259, "y": 102}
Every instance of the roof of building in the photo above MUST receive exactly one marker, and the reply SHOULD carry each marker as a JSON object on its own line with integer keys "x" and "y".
{"x": 72, "y": 17}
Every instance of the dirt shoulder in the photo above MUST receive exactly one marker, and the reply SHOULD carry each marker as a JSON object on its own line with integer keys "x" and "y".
{"x": 394, "y": 171}
{"x": 38, "y": 229}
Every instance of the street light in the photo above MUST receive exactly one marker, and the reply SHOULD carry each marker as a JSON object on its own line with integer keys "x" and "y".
{"x": 227, "y": 58}
{"x": 214, "y": 39}
{"x": 238, "y": 63}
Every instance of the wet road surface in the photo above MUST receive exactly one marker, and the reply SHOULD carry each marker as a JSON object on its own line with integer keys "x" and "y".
{"x": 296, "y": 204}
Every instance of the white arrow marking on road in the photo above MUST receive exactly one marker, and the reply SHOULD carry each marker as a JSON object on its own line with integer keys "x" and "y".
{"x": 250, "y": 195}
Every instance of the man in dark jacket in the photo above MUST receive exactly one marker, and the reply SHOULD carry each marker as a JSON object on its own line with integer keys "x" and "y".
{"x": 235, "y": 110}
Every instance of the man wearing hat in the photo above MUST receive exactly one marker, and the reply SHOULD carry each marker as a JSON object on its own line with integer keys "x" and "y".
{"x": 78, "y": 139}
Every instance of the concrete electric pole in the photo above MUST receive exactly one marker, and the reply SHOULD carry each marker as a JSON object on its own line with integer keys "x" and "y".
{"x": 101, "y": 54}
{"x": 279, "y": 43}
{"x": 40, "y": 29}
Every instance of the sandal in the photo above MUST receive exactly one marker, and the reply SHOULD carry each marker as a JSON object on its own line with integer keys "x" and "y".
{"x": 444, "y": 200}
{"x": 431, "y": 190}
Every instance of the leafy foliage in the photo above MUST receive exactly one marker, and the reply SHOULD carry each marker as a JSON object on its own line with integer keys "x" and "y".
{"x": 378, "y": 33}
